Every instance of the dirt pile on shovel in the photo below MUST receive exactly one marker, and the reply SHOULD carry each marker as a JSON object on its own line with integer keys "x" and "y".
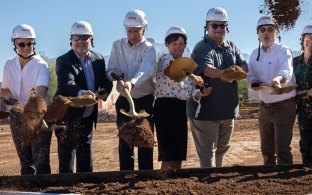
{"x": 137, "y": 132}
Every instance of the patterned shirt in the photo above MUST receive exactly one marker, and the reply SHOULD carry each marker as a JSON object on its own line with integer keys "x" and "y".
{"x": 166, "y": 87}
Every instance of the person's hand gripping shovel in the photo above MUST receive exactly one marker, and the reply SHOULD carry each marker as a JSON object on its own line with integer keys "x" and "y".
{"x": 5, "y": 104}
{"x": 137, "y": 132}
{"x": 276, "y": 89}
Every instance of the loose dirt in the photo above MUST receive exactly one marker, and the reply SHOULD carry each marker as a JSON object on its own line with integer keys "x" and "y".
{"x": 242, "y": 173}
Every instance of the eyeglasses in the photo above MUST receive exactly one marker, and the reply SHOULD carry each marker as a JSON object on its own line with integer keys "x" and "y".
{"x": 215, "y": 26}
{"x": 22, "y": 44}
{"x": 308, "y": 37}
{"x": 269, "y": 29}
{"x": 80, "y": 37}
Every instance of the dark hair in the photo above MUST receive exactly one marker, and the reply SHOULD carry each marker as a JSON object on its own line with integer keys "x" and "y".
{"x": 173, "y": 37}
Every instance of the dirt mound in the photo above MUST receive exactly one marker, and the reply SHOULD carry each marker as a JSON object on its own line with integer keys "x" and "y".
{"x": 287, "y": 179}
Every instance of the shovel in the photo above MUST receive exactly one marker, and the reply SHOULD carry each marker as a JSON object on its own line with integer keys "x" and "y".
{"x": 132, "y": 112}
{"x": 275, "y": 90}
{"x": 85, "y": 100}
{"x": 4, "y": 114}
{"x": 81, "y": 101}
{"x": 181, "y": 68}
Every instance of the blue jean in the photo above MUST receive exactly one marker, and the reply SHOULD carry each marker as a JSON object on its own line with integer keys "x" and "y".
{"x": 305, "y": 127}
{"x": 126, "y": 152}
{"x": 75, "y": 140}
{"x": 34, "y": 157}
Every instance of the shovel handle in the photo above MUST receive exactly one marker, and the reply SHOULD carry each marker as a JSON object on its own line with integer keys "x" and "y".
{"x": 132, "y": 111}
{"x": 302, "y": 93}
{"x": 100, "y": 92}
{"x": 10, "y": 101}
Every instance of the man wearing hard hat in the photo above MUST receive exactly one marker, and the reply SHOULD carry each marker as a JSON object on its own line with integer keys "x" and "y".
{"x": 213, "y": 126}
{"x": 133, "y": 59}
{"x": 80, "y": 71}
{"x": 21, "y": 74}
{"x": 271, "y": 65}
{"x": 303, "y": 72}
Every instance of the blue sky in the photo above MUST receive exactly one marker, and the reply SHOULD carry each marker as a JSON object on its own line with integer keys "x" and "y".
{"x": 52, "y": 20}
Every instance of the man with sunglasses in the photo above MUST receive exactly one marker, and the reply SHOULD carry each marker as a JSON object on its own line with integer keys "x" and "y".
{"x": 213, "y": 126}
{"x": 20, "y": 75}
{"x": 133, "y": 60}
{"x": 80, "y": 71}
{"x": 271, "y": 65}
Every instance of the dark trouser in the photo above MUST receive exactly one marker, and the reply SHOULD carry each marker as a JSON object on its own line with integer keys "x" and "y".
{"x": 34, "y": 157}
{"x": 305, "y": 126}
{"x": 75, "y": 141}
{"x": 276, "y": 122}
{"x": 126, "y": 152}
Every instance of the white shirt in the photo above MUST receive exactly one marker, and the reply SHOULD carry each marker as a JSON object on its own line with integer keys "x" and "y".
{"x": 166, "y": 87}
{"x": 137, "y": 62}
{"x": 277, "y": 61}
{"x": 20, "y": 81}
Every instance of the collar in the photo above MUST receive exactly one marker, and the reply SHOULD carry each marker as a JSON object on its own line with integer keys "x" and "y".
{"x": 216, "y": 46}
{"x": 270, "y": 48}
{"x": 137, "y": 44}
{"x": 82, "y": 59}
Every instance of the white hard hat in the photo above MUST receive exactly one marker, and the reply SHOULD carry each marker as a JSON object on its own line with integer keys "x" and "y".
{"x": 175, "y": 30}
{"x": 307, "y": 30}
{"x": 217, "y": 14}
{"x": 135, "y": 18}
{"x": 81, "y": 28}
{"x": 265, "y": 20}
{"x": 23, "y": 31}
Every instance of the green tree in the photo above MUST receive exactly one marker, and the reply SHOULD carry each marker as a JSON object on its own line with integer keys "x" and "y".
{"x": 242, "y": 89}
{"x": 53, "y": 81}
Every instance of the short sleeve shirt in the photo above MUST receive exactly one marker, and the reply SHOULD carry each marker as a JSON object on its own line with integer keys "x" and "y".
{"x": 166, "y": 87}
{"x": 20, "y": 81}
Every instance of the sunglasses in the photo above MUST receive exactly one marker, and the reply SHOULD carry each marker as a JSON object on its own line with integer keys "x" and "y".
{"x": 22, "y": 44}
{"x": 80, "y": 37}
{"x": 269, "y": 29}
{"x": 215, "y": 26}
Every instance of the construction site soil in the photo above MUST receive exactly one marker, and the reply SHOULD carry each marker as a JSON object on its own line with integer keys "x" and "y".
{"x": 242, "y": 172}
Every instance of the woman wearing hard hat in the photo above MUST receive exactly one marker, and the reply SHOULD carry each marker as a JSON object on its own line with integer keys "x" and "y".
{"x": 303, "y": 72}
{"x": 271, "y": 64}
{"x": 20, "y": 75}
{"x": 170, "y": 104}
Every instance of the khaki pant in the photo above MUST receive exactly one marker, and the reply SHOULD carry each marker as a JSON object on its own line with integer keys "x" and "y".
{"x": 212, "y": 140}
{"x": 276, "y": 122}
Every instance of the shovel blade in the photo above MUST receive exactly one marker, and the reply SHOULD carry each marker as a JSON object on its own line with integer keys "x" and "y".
{"x": 142, "y": 113}
{"x": 278, "y": 91}
{"x": 81, "y": 101}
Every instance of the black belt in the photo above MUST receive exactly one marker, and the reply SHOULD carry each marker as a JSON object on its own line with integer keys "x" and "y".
{"x": 276, "y": 103}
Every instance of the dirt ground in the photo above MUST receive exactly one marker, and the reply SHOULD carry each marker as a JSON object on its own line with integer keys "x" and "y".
{"x": 244, "y": 151}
